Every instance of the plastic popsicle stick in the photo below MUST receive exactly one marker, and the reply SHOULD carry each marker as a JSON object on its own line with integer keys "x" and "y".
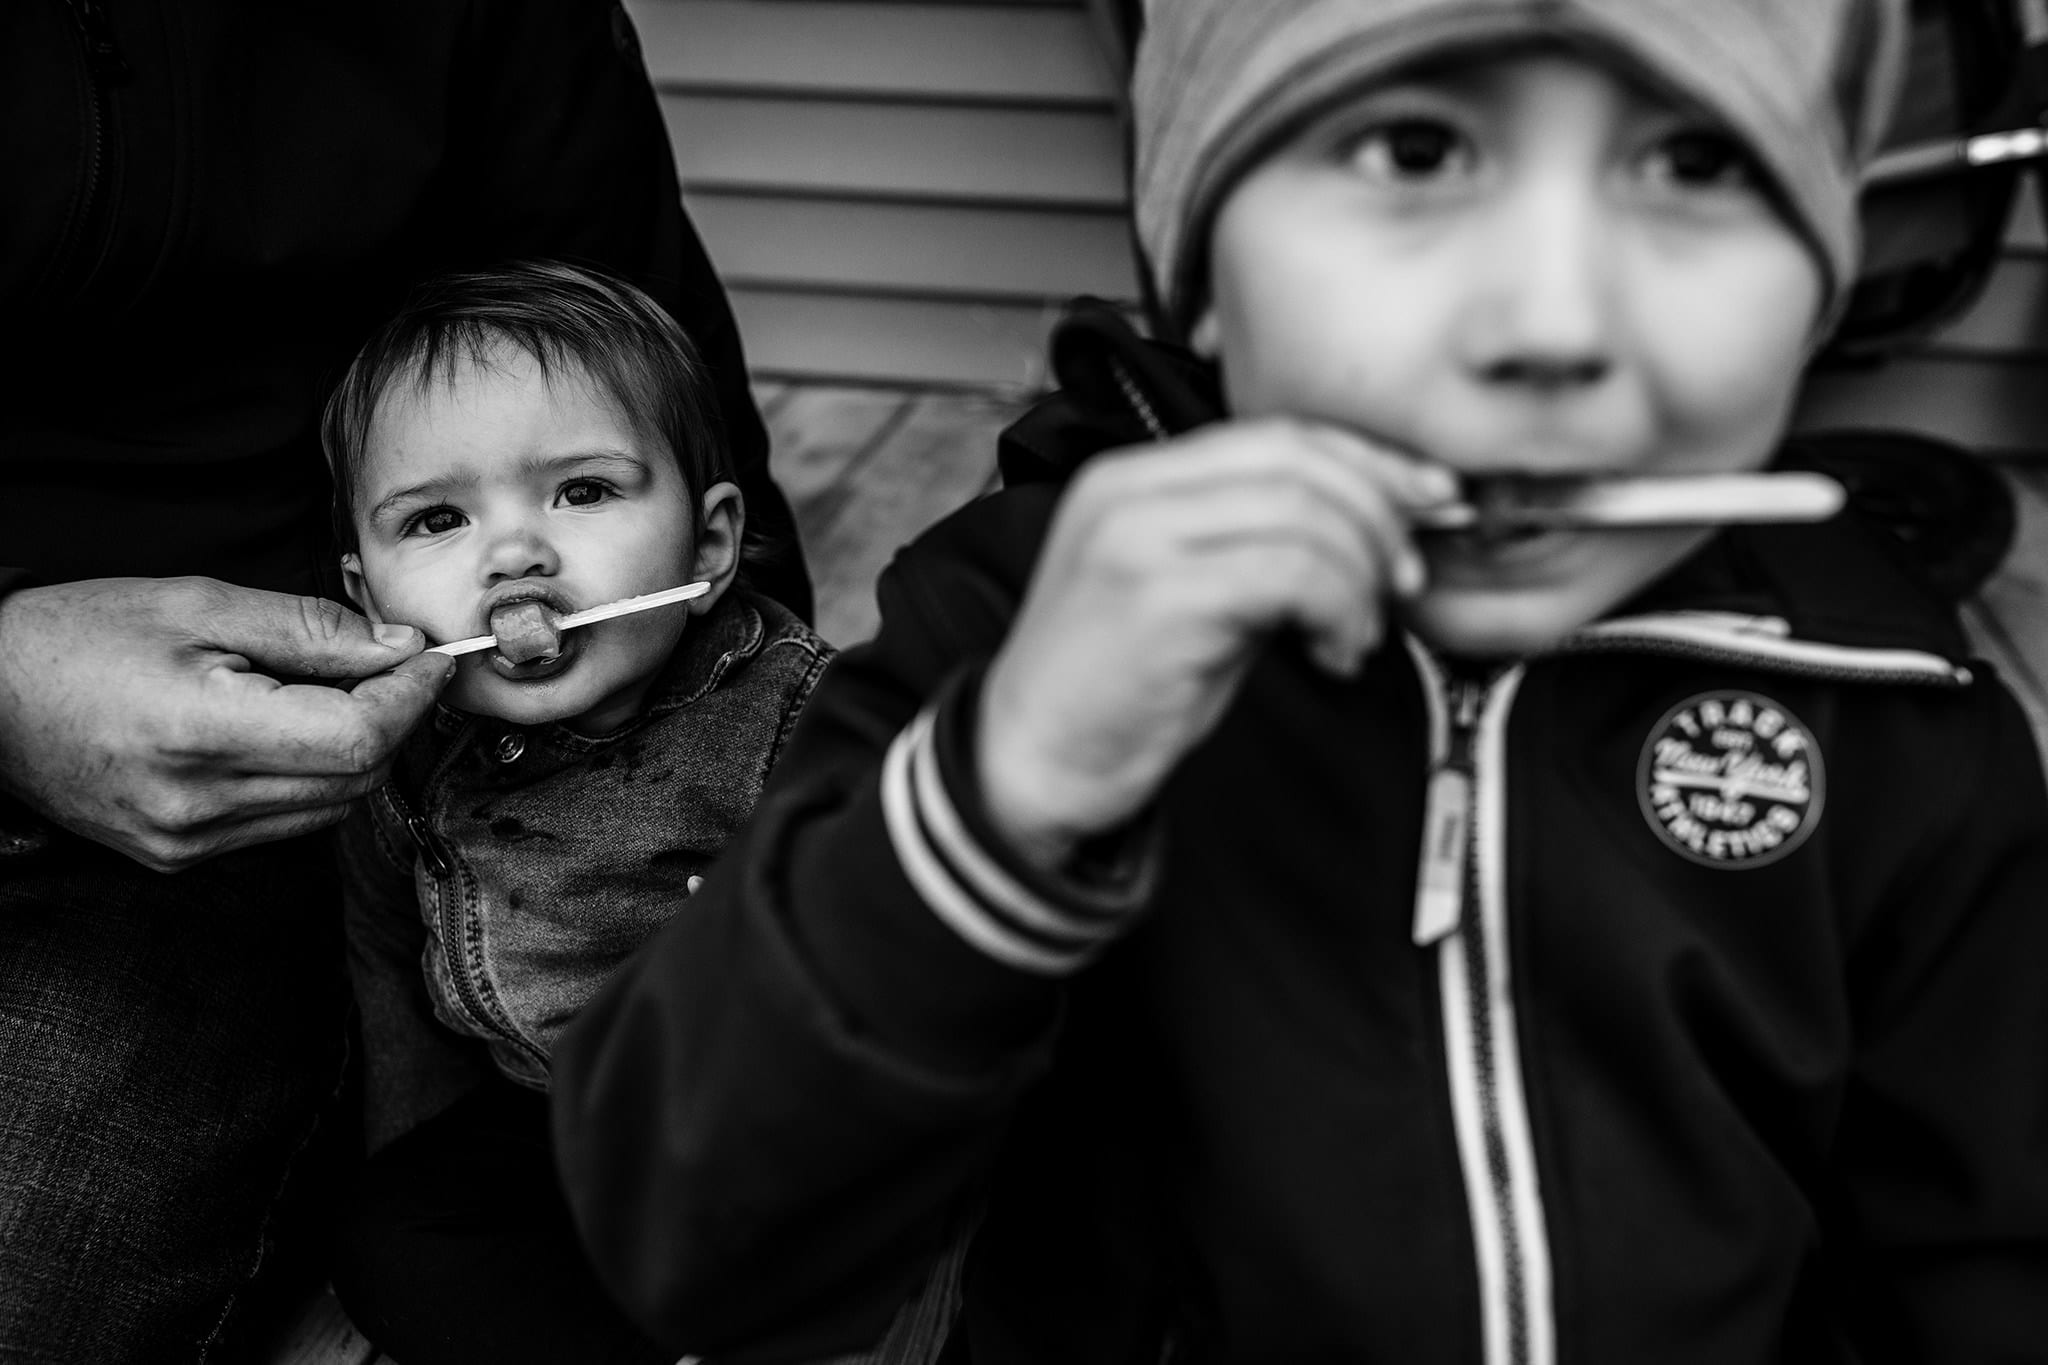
{"x": 625, "y": 606}
{"x": 1672, "y": 500}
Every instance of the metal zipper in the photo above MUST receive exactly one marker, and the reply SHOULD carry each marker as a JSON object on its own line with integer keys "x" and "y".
{"x": 422, "y": 836}
{"x": 1496, "y": 1148}
{"x": 105, "y": 66}
{"x": 453, "y": 928}
{"x": 1468, "y": 700}
{"x": 1455, "y": 913}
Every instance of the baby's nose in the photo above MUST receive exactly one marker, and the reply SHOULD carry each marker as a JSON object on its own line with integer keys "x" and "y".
{"x": 520, "y": 552}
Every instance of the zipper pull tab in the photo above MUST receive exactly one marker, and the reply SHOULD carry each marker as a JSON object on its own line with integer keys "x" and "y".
{"x": 429, "y": 846}
{"x": 1440, "y": 879}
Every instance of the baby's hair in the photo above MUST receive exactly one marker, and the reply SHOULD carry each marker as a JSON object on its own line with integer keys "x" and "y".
{"x": 565, "y": 317}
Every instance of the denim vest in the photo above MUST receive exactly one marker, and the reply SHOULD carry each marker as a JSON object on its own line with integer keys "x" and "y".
{"x": 541, "y": 857}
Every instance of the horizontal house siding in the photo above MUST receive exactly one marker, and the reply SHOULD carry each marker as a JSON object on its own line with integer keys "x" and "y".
{"x": 896, "y": 193}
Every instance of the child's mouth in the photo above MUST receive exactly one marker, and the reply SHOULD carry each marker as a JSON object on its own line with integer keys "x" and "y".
{"x": 530, "y": 642}
{"x": 533, "y": 670}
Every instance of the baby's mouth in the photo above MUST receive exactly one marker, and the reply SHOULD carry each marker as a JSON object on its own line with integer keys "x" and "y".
{"x": 531, "y": 644}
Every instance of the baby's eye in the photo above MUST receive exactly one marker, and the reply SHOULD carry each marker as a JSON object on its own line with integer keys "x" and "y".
{"x": 583, "y": 493}
{"x": 1702, "y": 160}
{"x": 433, "y": 521}
{"x": 1413, "y": 149}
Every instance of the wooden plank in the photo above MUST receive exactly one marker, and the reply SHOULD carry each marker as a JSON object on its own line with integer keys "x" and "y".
{"x": 938, "y": 459}
{"x": 836, "y": 147}
{"x": 1994, "y": 406}
{"x": 922, "y": 248}
{"x": 799, "y": 335}
{"x": 322, "y": 1335}
{"x": 820, "y": 431}
{"x": 918, "y": 51}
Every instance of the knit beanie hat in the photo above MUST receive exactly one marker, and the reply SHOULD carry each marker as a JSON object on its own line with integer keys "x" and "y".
{"x": 1807, "y": 85}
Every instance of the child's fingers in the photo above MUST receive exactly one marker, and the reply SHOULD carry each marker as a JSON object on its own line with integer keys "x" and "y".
{"x": 1368, "y": 546}
{"x": 1259, "y": 584}
{"x": 1248, "y": 489}
{"x": 1341, "y": 462}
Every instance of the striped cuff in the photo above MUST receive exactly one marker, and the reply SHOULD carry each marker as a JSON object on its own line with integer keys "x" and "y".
{"x": 969, "y": 889}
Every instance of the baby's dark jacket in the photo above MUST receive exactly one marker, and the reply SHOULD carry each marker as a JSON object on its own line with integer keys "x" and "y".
{"x": 1624, "y": 1092}
{"x": 505, "y": 871}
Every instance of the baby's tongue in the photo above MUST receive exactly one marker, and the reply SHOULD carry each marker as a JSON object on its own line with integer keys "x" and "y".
{"x": 526, "y": 631}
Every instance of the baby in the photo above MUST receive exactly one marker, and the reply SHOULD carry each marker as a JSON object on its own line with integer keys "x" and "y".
{"x": 516, "y": 446}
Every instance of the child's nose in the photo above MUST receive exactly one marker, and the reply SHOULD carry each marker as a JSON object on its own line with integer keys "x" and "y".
{"x": 520, "y": 552}
{"x": 1541, "y": 314}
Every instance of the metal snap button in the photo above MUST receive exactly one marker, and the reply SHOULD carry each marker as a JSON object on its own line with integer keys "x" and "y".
{"x": 510, "y": 747}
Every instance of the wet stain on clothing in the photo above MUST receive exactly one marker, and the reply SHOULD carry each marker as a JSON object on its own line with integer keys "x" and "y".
{"x": 513, "y": 830}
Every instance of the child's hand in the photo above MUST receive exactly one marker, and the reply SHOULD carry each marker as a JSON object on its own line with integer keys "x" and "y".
{"x": 1164, "y": 572}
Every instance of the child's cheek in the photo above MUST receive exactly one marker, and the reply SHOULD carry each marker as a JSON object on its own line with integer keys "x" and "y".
{"x": 1733, "y": 340}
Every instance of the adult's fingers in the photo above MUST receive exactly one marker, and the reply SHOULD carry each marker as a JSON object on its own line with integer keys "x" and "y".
{"x": 174, "y": 853}
{"x": 256, "y": 725}
{"x": 308, "y": 637}
{"x": 190, "y": 809}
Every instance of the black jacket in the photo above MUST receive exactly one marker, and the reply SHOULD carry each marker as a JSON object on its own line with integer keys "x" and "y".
{"x": 1723, "y": 1045}
{"x": 209, "y": 204}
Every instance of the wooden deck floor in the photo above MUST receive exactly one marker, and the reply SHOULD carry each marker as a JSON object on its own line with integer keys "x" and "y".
{"x": 866, "y": 469}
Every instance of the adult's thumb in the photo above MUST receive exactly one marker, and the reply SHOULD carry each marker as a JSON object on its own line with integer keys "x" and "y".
{"x": 306, "y": 637}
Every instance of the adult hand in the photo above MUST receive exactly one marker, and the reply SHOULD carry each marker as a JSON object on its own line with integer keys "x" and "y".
{"x": 137, "y": 712}
{"x": 1165, "y": 571}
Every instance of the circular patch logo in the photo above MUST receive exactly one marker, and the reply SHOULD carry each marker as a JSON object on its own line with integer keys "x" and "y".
{"x": 1730, "y": 779}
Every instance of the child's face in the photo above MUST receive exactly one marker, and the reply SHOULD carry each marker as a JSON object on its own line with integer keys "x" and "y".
{"x": 1523, "y": 263}
{"x": 501, "y": 485}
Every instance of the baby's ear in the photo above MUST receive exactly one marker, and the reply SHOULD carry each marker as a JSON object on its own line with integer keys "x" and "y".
{"x": 721, "y": 521}
{"x": 358, "y": 590}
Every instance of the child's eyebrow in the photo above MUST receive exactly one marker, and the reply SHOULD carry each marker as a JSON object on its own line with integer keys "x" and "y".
{"x": 434, "y": 489}
{"x": 621, "y": 460}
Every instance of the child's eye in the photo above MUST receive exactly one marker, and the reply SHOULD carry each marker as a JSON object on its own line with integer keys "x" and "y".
{"x": 433, "y": 521}
{"x": 1702, "y": 160}
{"x": 583, "y": 493}
{"x": 1411, "y": 150}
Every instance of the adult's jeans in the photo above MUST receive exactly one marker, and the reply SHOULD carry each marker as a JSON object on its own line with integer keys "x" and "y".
{"x": 167, "y": 1044}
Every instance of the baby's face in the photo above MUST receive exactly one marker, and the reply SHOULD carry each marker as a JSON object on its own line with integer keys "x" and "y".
{"x": 1518, "y": 264}
{"x": 500, "y": 486}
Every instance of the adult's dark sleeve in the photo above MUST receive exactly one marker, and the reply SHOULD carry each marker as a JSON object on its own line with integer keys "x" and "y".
{"x": 564, "y": 154}
{"x": 777, "y": 1116}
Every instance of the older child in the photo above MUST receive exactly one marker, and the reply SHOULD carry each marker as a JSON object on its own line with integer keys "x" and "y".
{"x": 537, "y": 434}
{"x": 1298, "y": 932}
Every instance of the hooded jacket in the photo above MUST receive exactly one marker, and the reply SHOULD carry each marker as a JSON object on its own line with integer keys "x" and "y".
{"x": 1671, "y": 996}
